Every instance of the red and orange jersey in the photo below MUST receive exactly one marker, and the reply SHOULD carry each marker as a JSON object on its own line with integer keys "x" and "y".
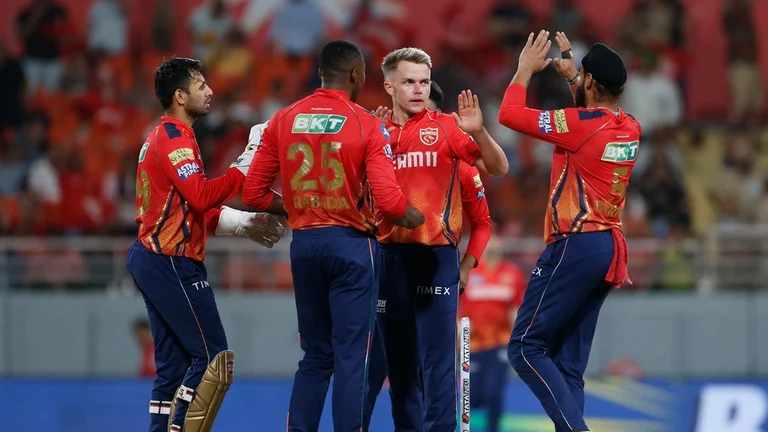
{"x": 490, "y": 297}
{"x": 336, "y": 165}
{"x": 428, "y": 149}
{"x": 175, "y": 202}
{"x": 595, "y": 151}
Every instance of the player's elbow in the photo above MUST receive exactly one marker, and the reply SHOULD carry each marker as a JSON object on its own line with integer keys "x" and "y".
{"x": 507, "y": 117}
{"x": 500, "y": 169}
{"x": 197, "y": 204}
{"x": 498, "y": 166}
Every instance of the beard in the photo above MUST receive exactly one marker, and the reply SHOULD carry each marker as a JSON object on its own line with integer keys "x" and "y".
{"x": 199, "y": 110}
{"x": 581, "y": 95}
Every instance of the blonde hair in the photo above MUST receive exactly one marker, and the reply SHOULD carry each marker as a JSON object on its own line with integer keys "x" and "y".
{"x": 413, "y": 55}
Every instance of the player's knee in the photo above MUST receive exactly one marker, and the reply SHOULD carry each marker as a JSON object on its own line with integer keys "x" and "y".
{"x": 317, "y": 363}
{"x": 519, "y": 354}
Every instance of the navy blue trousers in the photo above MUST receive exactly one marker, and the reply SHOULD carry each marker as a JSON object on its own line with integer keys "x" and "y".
{"x": 552, "y": 336}
{"x": 418, "y": 302}
{"x": 335, "y": 288}
{"x": 185, "y": 323}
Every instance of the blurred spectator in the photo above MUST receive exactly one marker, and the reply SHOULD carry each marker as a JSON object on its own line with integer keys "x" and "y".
{"x": 163, "y": 27}
{"x": 656, "y": 24}
{"x": 746, "y": 85}
{"x": 13, "y": 169}
{"x": 108, "y": 27}
{"x": 142, "y": 334}
{"x": 651, "y": 96}
{"x": 209, "y": 26}
{"x": 566, "y": 18}
{"x": 664, "y": 196}
{"x": 510, "y": 22}
{"x": 231, "y": 61}
{"x": 740, "y": 184}
{"x": 12, "y": 89}
{"x": 676, "y": 271}
{"x": 298, "y": 14}
{"x": 42, "y": 27}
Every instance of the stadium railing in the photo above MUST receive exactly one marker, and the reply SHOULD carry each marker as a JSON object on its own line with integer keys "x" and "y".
{"x": 98, "y": 263}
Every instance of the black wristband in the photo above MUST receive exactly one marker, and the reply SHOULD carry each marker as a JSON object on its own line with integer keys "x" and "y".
{"x": 572, "y": 80}
{"x": 567, "y": 54}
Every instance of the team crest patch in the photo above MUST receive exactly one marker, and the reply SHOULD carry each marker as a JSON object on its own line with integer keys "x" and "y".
{"x": 428, "y": 136}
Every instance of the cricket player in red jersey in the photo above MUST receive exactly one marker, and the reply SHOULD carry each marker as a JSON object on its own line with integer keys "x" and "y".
{"x": 176, "y": 204}
{"x": 475, "y": 207}
{"x": 491, "y": 301}
{"x": 596, "y": 145}
{"x": 420, "y": 271}
{"x": 336, "y": 162}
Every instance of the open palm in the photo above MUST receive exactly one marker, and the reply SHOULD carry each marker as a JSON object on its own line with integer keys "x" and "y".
{"x": 469, "y": 117}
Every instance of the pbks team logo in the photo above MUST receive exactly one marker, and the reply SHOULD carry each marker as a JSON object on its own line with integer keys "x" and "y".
{"x": 428, "y": 136}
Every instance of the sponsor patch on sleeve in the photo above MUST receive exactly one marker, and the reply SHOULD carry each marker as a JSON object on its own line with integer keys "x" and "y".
{"x": 561, "y": 125}
{"x": 181, "y": 154}
{"x": 384, "y": 131}
{"x": 188, "y": 170}
{"x": 478, "y": 182}
{"x": 545, "y": 122}
{"x": 388, "y": 151}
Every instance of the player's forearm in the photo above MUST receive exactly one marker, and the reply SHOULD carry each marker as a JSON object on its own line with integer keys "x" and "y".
{"x": 276, "y": 206}
{"x": 211, "y": 193}
{"x": 390, "y": 203}
{"x": 257, "y": 196}
{"x": 479, "y": 236}
{"x": 212, "y": 220}
{"x": 494, "y": 158}
{"x": 522, "y": 77}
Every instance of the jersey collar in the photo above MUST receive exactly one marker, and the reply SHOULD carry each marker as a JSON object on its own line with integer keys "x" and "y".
{"x": 330, "y": 92}
{"x": 413, "y": 120}
{"x": 180, "y": 124}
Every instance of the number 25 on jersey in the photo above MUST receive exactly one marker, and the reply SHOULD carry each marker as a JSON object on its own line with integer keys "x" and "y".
{"x": 317, "y": 191}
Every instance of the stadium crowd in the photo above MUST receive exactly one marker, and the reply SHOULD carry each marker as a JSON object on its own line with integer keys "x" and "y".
{"x": 76, "y": 77}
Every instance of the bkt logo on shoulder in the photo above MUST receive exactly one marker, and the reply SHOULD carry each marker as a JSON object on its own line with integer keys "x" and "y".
{"x": 620, "y": 151}
{"x": 318, "y": 123}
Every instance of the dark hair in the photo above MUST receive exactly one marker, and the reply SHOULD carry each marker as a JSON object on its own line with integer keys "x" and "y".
{"x": 436, "y": 94}
{"x": 338, "y": 57}
{"x": 611, "y": 91}
{"x": 172, "y": 74}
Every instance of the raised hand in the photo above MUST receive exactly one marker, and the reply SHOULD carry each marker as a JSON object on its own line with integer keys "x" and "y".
{"x": 382, "y": 113}
{"x": 566, "y": 66}
{"x": 533, "y": 57}
{"x": 469, "y": 117}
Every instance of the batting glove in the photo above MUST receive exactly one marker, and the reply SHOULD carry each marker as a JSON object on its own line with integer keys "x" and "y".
{"x": 261, "y": 228}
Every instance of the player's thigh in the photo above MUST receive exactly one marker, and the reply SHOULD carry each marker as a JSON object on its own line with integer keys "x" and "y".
{"x": 352, "y": 294}
{"x": 313, "y": 310}
{"x": 563, "y": 278}
{"x": 575, "y": 344}
{"x": 178, "y": 288}
{"x": 434, "y": 280}
{"x": 395, "y": 314}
